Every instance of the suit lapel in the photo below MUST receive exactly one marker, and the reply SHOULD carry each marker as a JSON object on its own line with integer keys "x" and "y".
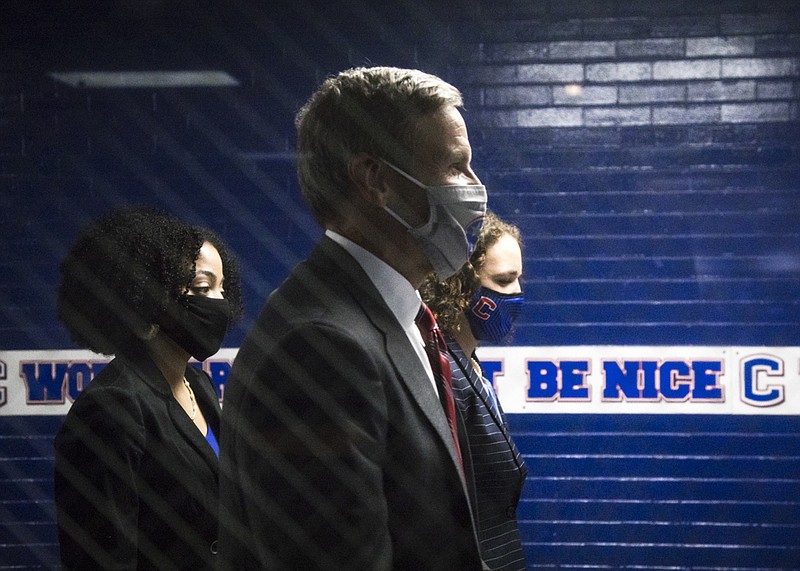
{"x": 408, "y": 367}
{"x": 150, "y": 375}
{"x": 482, "y": 391}
{"x": 405, "y": 359}
{"x": 477, "y": 384}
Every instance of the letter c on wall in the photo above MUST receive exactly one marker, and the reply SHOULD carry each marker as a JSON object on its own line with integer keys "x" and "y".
{"x": 756, "y": 393}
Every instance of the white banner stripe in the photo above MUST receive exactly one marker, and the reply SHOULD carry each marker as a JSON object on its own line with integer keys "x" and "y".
{"x": 536, "y": 380}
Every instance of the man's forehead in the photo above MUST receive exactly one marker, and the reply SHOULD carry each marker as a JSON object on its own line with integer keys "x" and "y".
{"x": 442, "y": 133}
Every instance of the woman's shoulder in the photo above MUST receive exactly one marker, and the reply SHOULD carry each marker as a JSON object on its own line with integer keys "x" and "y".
{"x": 108, "y": 408}
{"x": 120, "y": 385}
{"x": 116, "y": 376}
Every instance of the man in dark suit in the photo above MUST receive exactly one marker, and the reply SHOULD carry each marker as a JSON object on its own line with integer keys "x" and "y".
{"x": 336, "y": 452}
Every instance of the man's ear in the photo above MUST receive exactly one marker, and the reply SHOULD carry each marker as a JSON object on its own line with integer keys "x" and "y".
{"x": 366, "y": 174}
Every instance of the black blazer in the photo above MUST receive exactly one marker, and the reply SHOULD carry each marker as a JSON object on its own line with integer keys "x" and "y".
{"x": 498, "y": 469}
{"x": 135, "y": 482}
{"x": 336, "y": 453}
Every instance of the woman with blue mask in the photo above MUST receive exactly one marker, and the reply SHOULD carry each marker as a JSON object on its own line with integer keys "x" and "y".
{"x": 479, "y": 304}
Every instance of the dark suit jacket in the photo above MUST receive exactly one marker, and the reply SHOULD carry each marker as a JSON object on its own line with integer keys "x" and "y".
{"x": 498, "y": 470}
{"x": 136, "y": 484}
{"x": 336, "y": 453}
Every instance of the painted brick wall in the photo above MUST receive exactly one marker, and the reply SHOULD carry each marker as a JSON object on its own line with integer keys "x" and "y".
{"x": 650, "y": 153}
{"x": 648, "y": 150}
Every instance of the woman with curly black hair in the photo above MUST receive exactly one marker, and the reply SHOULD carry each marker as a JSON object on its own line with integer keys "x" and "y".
{"x": 480, "y": 304}
{"x": 136, "y": 474}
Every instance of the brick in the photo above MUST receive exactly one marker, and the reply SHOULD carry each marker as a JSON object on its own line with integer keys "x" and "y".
{"x": 608, "y": 117}
{"x": 756, "y": 112}
{"x": 773, "y": 6}
{"x": 13, "y": 140}
{"x": 759, "y": 67}
{"x": 581, "y": 50}
{"x": 726, "y": 134}
{"x": 776, "y": 45}
{"x": 654, "y": 93}
{"x": 607, "y": 72}
{"x": 682, "y": 114}
{"x": 473, "y": 96}
{"x": 547, "y": 117}
{"x": 660, "y": 8}
{"x": 775, "y": 90}
{"x": 551, "y": 73}
{"x": 11, "y": 104}
{"x": 684, "y": 27}
{"x": 518, "y": 95}
{"x": 671, "y": 47}
{"x": 615, "y": 28}
{"x": 487, "y": 74}
{"x": 739, "y": 45}
{"x": 719, "y": 6}
{"x": 14, "y": 166}
{"x": 491, "y": 140}
{"x": 515, "y": 52}
{"x": 459, "y": 53}
{"x": 564, "y": 30}
{"x": 585, "y": 95}
{"x": 768, "y": 133}
{"x": 583, "y": 8}
{"x": 586, "y": 137}
{"x": 515, "y": 9}
{"x": 721, "y": 90}
{"x": 521, "y": 31}
{"x": 670, "y": 136}
{"x": 686, "y": 69}
{"x": 731, "y": 24}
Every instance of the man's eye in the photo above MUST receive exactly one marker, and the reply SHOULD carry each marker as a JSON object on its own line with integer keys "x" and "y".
{"x": 200, "y": 290}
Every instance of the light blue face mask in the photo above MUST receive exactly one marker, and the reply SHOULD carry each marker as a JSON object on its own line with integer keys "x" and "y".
{"x": 454, "y": 222}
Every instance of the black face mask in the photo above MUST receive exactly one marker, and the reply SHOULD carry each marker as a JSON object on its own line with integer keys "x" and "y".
{"x": 197, "y": 324}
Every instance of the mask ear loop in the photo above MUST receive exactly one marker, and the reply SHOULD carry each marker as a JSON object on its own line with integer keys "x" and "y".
{"x": 405, "y": 174}
{"x": 431, "y": 209}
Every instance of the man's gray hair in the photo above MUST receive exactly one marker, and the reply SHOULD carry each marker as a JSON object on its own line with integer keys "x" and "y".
{"x": 372, "y": 110}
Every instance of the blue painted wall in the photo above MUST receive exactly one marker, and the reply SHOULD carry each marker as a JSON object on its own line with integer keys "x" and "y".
{"x": 650, "y": 152}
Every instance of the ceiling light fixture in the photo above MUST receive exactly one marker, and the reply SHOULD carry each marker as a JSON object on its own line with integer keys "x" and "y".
{"x": 134, "y": 79}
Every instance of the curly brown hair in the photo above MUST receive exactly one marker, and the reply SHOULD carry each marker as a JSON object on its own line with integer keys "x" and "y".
{"x": 449, "y": 299}
{"x": 124, "y": 269}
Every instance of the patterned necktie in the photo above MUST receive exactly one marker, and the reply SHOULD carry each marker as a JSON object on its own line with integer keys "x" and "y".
{"x": 436, "y": 349}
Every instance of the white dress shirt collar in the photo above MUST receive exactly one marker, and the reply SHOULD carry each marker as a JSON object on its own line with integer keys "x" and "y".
{"x": 398, "y": 293}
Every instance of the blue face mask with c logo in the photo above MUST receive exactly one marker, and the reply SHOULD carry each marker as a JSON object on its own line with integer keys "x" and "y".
{"x": 492, "y": 314}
